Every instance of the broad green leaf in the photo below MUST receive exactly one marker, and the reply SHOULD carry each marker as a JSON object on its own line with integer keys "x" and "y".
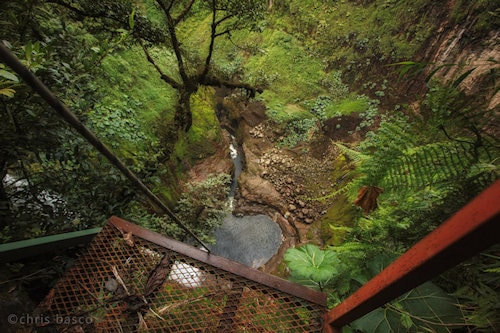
{"x": 310, "y": 262}
{"x": 425, "y": 308}
{"x": 431, "y": 304}
{"x": 28, "y": 48}
{"x": 378, "y": 263}
{"x": 7, "y": 92}
{"x": 8, "y": 75}
{"x": 380, "y": 320}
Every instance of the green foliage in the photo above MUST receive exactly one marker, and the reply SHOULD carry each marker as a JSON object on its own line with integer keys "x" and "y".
{"x": 7, "y": 81}
{"x": 340, "y": 270}
{"x": 429, "y": 166}
{"x": 424, "y": 182}
{"x": 299, "y": 131}
{"x": 311, "y": 266}
{"x": 347, "y": 106}
{"x": 363, "y": 35}
{"x": 486, "y": 16}
{"x": 201, "y": 207}
{"x": 51, "y": 168}
{"x": 291, "y": 75}
{"x": 425, "y": 308}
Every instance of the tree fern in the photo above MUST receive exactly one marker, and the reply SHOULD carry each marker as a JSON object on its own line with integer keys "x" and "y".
{"x": 398, "y": 162}
{"x": 424, "y": 179}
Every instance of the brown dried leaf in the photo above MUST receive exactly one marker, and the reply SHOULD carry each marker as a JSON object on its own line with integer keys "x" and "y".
{"x": 129, "y": 238}
{"x": 158, "y": 275}
{"x": 367, "y": 198}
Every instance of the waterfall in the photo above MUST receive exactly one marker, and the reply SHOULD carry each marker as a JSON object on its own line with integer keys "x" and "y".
{"x": 250, "y": 240}
{"x": 238, "y": 165}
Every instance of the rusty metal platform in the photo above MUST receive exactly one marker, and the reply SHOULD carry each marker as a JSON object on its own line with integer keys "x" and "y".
{"x": 135, "y": 280}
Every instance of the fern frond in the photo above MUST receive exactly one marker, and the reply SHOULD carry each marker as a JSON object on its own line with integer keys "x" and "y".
{"x": 355, "y": 156}
{"x": 430, "y": 164}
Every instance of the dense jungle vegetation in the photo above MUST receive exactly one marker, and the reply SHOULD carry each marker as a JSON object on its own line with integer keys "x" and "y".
{"x": 144, "y": 76}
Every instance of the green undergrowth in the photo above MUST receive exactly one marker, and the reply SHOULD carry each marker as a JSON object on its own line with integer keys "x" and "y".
{"x": 205, "y": 133}
{"x": 133, "y": 116}
{"x": 337, "y": 222}
{"x": 300, "y": 91}
{"x": 335, "y": 225}
{"x": 380, "y": 31}
{"x": 199, "y": 142}
{"x": 129, "y": 73}
{"x": 347, "y": 106}
{"x": 486, "y": 15}
{"x": 274, "y": 60}
{"x": 133, "y": 100}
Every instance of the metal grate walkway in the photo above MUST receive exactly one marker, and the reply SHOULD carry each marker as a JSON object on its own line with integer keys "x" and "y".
{"x": 134, "y": 280}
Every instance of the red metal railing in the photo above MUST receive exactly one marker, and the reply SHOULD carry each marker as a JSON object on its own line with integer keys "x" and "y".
{"x": 472, "y": 229}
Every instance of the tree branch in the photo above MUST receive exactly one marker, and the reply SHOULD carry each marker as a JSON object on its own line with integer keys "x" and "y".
{"x": 225, "y": 18}
{"x": 174, "y": 84}
{"x": 175, "y": 42}
{"x": 213, "y": 35}
{"x": 215, "y": 82}
{"x": 74, "y": 9}
{"x": 183, "y": 14}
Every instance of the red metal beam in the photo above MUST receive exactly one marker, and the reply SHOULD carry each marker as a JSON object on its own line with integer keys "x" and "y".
{"x": 472, "y": 229}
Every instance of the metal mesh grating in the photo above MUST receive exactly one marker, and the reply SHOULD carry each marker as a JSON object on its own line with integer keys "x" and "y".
{"x": 132, "y": 279}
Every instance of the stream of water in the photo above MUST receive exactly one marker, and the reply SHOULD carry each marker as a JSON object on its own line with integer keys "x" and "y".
{"x": 251, "y": 240}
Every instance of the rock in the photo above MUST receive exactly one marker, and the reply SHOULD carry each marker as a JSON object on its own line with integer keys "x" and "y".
{"x": 258, "y": 190}
{"x": 301, "y": 203}
{"x": 292, "y": 207}
{"x": 308, "y": 221}
{"x": 305, "y": 211}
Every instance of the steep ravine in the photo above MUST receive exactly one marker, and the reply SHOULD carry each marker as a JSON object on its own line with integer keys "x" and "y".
{"x": 281, "y": 183}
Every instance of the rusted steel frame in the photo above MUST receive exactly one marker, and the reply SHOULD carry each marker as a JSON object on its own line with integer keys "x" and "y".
{"x": 472, "y": 229}
{"x": 221, "y": 263}
{"x": 226, "y": 318}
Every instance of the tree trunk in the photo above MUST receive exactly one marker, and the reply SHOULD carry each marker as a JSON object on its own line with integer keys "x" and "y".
{"x": 183, "y": 117}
